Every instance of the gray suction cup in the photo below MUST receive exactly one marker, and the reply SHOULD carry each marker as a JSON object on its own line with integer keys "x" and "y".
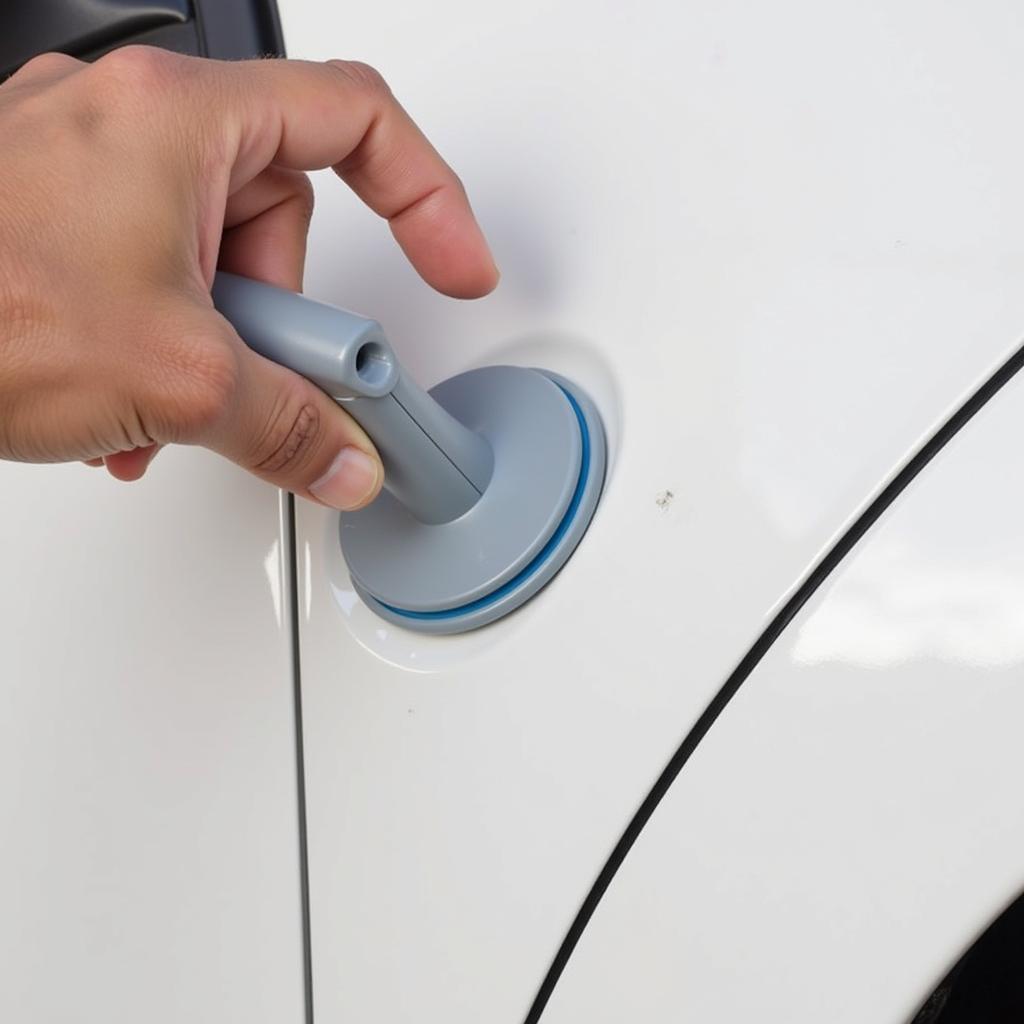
{"x": 549, "y": 463}
{"x": 491, "y": 479}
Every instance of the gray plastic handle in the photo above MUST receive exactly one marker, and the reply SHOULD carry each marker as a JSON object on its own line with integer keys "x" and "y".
{"x": 433, "y": 465}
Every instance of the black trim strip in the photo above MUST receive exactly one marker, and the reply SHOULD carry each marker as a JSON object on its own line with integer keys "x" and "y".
{"x": 300, "y": 755}
{"x": 818, "y": 575}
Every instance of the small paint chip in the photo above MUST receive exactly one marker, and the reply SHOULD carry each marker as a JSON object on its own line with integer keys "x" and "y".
{"x": 663, "y": 500}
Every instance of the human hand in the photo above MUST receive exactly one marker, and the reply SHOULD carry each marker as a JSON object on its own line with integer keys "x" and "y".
{"x": 124, "y": 184}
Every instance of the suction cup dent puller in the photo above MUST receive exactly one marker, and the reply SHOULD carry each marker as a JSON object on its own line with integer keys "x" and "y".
{"x": 491, "y": 479}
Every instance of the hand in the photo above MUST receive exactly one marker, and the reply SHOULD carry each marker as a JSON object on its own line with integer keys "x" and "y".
{"x": 124, "y": 184}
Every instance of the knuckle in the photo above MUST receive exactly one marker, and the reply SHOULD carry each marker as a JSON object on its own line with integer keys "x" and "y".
{"x": 200, "y": 382}
{"x": 291, "y": 438}
{"x": 45, "y": 64}
{"x": 129, "y": 70}
{"x": 211, "y": 395}
{"x": 364, "y": 77}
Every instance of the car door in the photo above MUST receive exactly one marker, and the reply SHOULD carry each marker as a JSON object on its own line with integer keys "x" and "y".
{"x": 779, "y": 246}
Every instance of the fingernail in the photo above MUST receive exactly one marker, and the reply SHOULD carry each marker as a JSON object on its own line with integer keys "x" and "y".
{"x": 350, "y": 480}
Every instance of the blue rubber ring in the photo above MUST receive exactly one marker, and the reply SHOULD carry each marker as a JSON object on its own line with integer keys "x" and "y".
{"x": 545, "y": 552}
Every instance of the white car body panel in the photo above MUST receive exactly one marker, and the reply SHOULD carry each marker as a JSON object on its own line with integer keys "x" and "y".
{"x": 779, "y": 244}
{"x": 149, "y": 853}
{"x": 852, "y": 820}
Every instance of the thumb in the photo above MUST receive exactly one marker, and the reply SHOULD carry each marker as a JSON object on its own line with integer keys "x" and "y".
{"x": 287, "y": 431}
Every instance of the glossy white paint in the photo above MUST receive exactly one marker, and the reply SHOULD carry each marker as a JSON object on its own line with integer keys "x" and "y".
{"x": 779, "y": 243}
{"x": 853, "y": 819}
{"x": 148, "y": 823}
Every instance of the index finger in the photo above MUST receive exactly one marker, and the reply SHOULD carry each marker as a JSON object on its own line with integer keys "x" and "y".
{"x": 341, "y": 114}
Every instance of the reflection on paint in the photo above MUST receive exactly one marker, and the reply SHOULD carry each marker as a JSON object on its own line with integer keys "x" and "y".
{"x": 347, "y": 598}
{"x": 416, "y": 652}
{"x": 275, "y": 570}
{"x": 307, "y": 579}
{"x": 898, "y": 602}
